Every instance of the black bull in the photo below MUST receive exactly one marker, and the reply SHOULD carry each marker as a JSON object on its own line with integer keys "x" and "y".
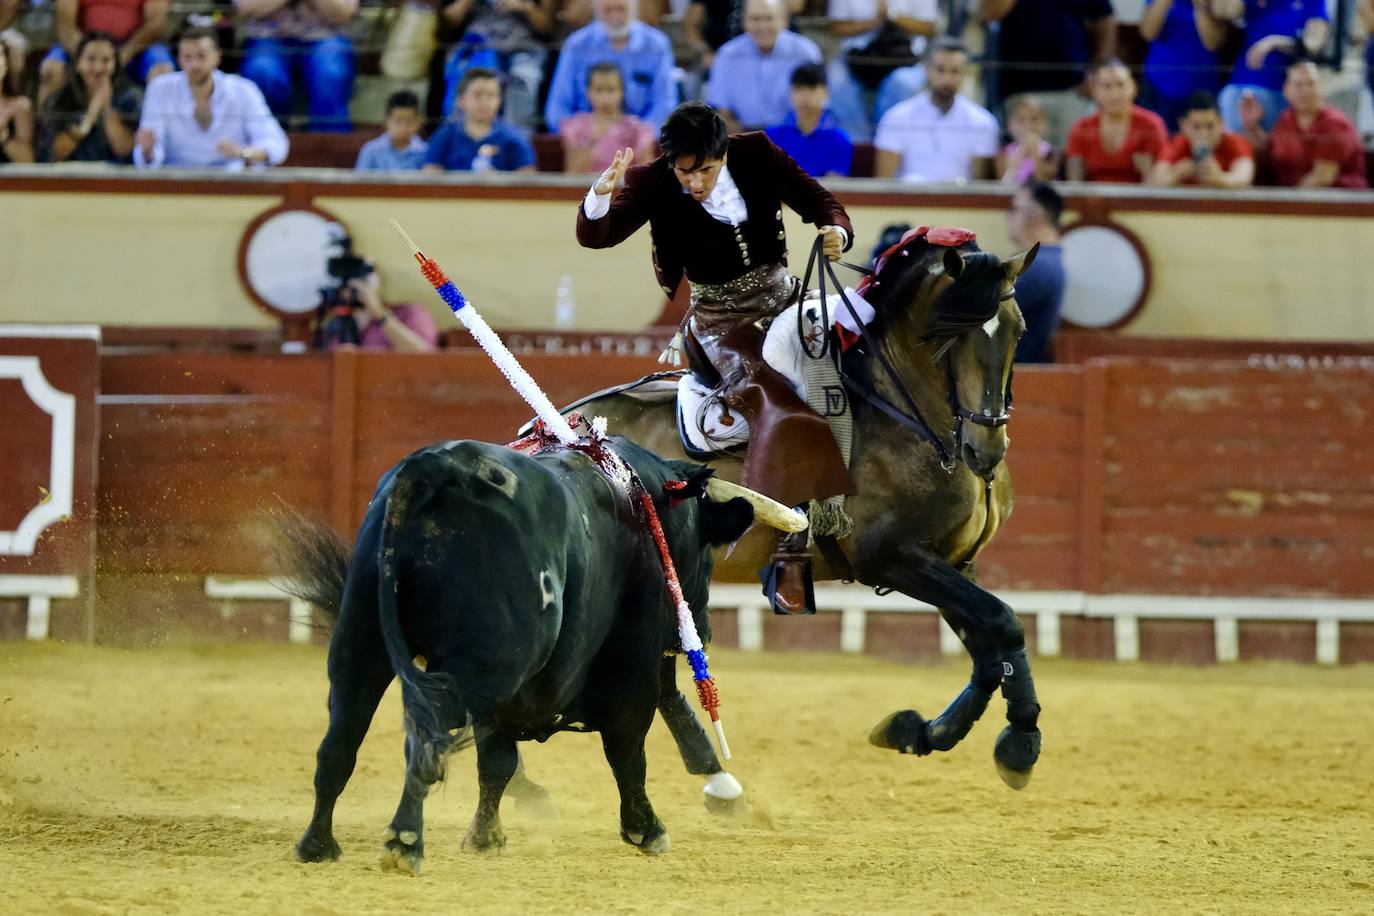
{"x": 515, "y": 597}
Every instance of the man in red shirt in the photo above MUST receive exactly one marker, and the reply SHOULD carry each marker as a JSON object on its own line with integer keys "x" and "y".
{"x": 1312, "y": 144}
{"x": 1204, "y": 153}
{"x": 137, "y": 25}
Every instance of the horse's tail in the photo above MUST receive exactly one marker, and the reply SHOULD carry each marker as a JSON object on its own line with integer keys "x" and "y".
{"x": 430, "y": 698}
{"x": 313, "y": 559}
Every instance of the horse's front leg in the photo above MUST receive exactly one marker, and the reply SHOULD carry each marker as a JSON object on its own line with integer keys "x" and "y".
{"x": 995, "y": 640}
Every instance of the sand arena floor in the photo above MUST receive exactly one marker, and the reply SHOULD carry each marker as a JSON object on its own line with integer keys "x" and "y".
{"x": 177, "y": 780}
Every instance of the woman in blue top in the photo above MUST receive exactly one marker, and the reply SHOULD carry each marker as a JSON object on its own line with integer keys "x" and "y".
{"x": 478, "y": 141}
{"x": 1273, "y": 31}
{"x": 1184, "y": 37}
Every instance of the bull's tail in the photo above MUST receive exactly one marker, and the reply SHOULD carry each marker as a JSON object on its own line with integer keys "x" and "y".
{"x": 312, "y": 558}
{"x": 430, "y": 698}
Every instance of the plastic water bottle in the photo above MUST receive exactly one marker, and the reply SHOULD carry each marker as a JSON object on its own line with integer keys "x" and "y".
{"x": 565, "y": 305}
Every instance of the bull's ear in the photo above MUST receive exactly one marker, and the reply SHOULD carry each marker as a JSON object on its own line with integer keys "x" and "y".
{"x": 724, "y": 523}
{"x": 692, "y": 483}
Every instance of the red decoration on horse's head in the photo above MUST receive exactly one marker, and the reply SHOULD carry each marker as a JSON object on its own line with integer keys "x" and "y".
{"x": 942, "y": 236}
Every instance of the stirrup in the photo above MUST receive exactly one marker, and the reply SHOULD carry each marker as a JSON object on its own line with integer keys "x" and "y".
{"x": 803, "y": 599}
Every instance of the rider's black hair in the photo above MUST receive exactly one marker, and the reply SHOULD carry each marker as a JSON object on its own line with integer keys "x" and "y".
{"x": 693, "y": 130}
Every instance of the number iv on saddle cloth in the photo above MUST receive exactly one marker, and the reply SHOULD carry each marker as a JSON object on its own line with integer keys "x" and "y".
{"x": 552, "y": 431}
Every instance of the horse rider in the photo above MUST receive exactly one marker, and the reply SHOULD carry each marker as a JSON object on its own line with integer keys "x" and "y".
{"x": 714, "y": 207}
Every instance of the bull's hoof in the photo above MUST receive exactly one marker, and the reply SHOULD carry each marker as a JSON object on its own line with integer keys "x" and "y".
{"x": 903, "y": 731}
{"x": 651, "y": 845}
{"x": 484, "y": 839}
{"x": 724, "y": 795}
{"x": 1015, "y": 754}
{"x": 402, "y": 852}
{"x": 316, "y": 849}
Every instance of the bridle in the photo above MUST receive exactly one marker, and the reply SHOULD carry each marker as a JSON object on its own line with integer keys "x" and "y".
{"x": 911, "y": 418}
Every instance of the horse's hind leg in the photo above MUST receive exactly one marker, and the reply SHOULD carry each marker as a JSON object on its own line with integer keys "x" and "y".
{"x": 355, "y": 688}
{"x": 722, "y": 792}
{"x": 995, "y": 640}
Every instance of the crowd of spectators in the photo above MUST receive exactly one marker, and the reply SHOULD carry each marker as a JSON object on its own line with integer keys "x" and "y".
{"x": 1226, "y": 92}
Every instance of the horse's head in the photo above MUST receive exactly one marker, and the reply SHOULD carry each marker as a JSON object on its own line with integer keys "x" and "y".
{"x": 950, "y": 308}
{"x": 979, "y": 357}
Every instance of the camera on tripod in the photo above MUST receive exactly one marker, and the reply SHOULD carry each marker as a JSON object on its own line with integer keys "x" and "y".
{"x": 335, "y": 319}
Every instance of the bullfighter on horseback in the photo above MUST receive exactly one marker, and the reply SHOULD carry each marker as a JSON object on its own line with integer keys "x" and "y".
{"x": 714, "y": 207}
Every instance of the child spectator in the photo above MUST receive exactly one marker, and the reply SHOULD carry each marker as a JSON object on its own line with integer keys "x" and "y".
{"x": 508, "y": 36}
{"x": 200, "y": 117}
{"x": 475, "y": 140}
{"x": 1184, "y": 37}
{"x": 301, "y": 42}
{"x": 16, "y": 119}
{"x": 136, "y": 25}
{"x": 810, "y": 134}
{"x": 750, "y": 74}
{"x": 592, "y": 138}
{"x": 399, "y": 149}
{"x": 1205, "y": 152}
{"x": 92, "y": 118}
{"x": 1120, "y": 142}
{"x": 1313, "y": 145}
{"x": 1029, "y": 155}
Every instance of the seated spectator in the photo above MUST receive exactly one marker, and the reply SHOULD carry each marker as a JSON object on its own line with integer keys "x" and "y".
{"x": 93, "y": 117}
{"x": 1034, "y": 217}
{"x": 643, "y": 53}
{"x": 592, "y": 138}
{"x": 200, "y": 117}
{"x": 1312, "y": 145}
{"x": 1120, "y": 142}
{"x": 474, "y": 139}
{"x": 400, "y": 149}
{"x": 301, "y": 44}
{"x": 371, "y": 324}
{"x": 508, "y": 36}
{"x": 1184, "y": 37}
{"x": 16, "y": 119}
{"x": 1035, "y": 35}
{"x": 810, "y": 134}
{"x": 137, "y": 26}
{"x": 1269, "y": 46}
{"x": 1204, "y": 153}
{"x": 752, "y": 72}
{"x": 938, "y": 135}
{"x": 880, "y": 44}
{"x": 1029, "y": 155}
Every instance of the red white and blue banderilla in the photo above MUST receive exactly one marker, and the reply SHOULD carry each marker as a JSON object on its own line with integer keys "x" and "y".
{"x": 594, "y": 447}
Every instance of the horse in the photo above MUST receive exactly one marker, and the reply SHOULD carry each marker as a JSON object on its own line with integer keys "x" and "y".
{"x": 930, "y": 385}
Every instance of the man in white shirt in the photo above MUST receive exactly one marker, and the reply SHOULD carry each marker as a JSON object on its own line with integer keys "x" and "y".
{"x": 751, "y": 75}
{"x": 200, "y": 117}
{"x": 938, "y": 135}
{"x": 861, "y": 92}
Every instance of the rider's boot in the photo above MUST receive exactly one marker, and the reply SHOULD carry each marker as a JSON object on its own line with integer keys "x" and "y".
{"x": 787, "y": 578}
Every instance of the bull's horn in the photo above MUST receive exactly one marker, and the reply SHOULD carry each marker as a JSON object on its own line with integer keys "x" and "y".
{"x": 769, "y": 511}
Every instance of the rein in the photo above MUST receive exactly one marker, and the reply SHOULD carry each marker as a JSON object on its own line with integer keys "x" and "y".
{"x": 912, "y": 420}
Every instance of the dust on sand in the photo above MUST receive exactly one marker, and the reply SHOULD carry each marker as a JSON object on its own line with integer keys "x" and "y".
{"x": 177, "y": 781}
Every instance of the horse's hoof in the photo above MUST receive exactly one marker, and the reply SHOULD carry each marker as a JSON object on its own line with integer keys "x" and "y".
{"x": 1015, "y": 754}
{"x": 903, "y": 731}
{"x": 724, "y": 795}
{"x": 310, "y": 850}
{"x": 651, "y": 846}
{"x": 402, "y": 852}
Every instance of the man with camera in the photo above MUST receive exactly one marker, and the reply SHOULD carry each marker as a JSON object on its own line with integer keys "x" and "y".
{"x": 1204, "y": 152}
{"x": 352, "y": 313}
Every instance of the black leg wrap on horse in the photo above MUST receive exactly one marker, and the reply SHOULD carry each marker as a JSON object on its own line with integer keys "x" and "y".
{"x": 949, "y": 727}
{"x": 1018, "y": 689}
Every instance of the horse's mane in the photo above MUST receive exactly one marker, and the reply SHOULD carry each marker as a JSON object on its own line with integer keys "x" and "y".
{"x": 969, "y": 302}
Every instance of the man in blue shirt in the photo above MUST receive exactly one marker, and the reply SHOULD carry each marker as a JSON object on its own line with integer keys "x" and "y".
{"x": 1034, "y": 217}
{"x": 749, "y": 77}
{"x": 1273, "y": 31}
{"x": 643, "y": 53}
{"x": 477, "y": 141}
{"x": 810, "y": 134}
{"x": 399, "y": 149}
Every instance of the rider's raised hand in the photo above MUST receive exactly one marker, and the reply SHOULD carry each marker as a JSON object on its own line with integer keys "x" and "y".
{"x": 615, "y": 174}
